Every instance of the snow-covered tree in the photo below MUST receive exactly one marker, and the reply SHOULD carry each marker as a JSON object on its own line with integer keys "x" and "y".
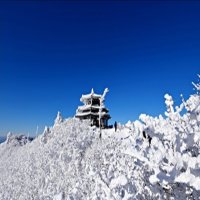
{"x": 102, "y": 99}
{"x": 68, "y": 161}
{"x": 59, "y": 119}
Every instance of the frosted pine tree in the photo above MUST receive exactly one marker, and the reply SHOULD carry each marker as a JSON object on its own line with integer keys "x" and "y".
{"x": 59, "y": 119}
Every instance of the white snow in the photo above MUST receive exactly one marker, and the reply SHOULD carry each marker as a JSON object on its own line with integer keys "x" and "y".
{"x": 120, "y": 180}
{"x": 69, "y": 161}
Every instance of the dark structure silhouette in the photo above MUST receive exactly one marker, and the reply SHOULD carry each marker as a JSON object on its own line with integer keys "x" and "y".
{"x": 115, "y": 125}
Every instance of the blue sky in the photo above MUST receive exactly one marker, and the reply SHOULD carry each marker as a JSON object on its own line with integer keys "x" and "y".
{"x": 52, "y": 52}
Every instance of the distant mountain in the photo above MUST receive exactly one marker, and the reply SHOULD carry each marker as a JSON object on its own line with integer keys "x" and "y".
{"x": 2, "y": 139}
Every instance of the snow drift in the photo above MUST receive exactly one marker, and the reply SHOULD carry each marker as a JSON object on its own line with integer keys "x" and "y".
{"x": 152, "y": 158}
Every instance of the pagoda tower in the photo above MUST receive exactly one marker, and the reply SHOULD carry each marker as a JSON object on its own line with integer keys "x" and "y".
{"x": 93, "y": 104}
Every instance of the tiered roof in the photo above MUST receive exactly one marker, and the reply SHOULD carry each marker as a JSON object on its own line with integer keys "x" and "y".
{"x": 92, "y": 95}
{"x": 90, "y": 108}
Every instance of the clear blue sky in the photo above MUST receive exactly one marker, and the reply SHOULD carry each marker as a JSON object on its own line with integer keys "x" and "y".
{"x": 52, "y": 52}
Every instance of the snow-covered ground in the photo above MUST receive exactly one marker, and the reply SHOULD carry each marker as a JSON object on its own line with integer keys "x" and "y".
{"x": 152, "y": 158}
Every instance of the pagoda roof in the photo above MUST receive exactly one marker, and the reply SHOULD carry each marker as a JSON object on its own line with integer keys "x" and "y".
{"x": 80, "y": 114}
{"x": 86, "y": 107}
{"x": 85, "y": 97}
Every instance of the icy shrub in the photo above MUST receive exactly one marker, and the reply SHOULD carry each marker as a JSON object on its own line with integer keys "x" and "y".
{"x": 151, "y": 158}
